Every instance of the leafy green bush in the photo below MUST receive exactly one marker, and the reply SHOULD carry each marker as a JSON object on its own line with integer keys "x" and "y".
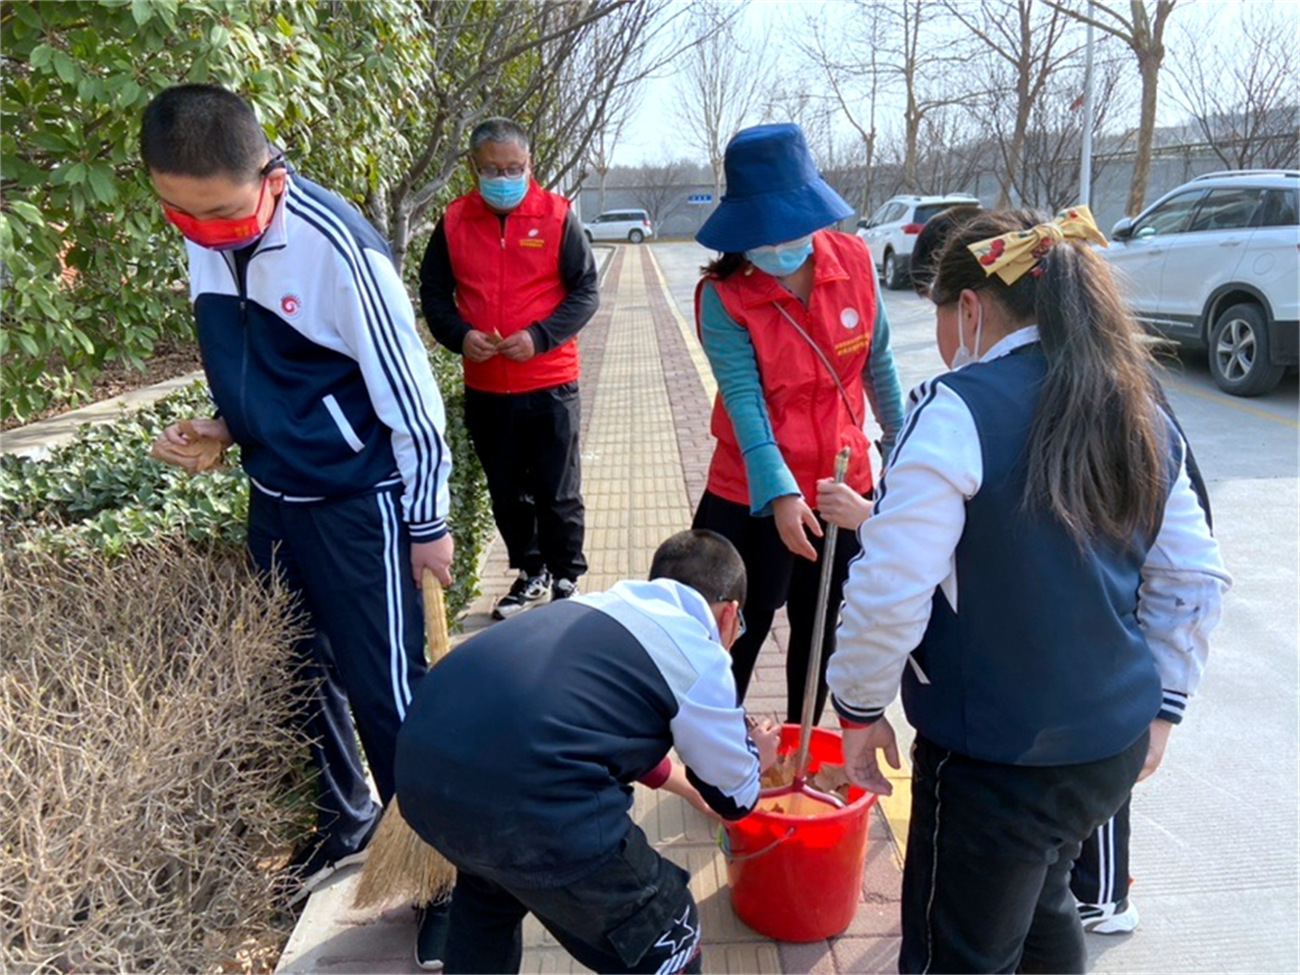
{"x": 89, "y": 270}
{"x": 102, "y": 492}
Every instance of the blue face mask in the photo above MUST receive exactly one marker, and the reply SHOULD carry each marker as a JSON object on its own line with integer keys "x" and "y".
{"x": 780, "y": 260}
{"x": 503, "y": 193}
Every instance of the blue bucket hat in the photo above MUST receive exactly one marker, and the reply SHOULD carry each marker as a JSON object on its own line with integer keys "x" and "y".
{"x": 774, "y": 192}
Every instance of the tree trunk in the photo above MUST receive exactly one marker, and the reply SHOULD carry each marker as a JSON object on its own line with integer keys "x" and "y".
{"x": 1149, "y": 64}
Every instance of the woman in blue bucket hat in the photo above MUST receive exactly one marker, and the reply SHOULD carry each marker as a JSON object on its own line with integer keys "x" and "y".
{"x": 792, "y": 323}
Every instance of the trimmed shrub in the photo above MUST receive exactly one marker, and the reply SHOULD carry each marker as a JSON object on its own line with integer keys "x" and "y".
{"x": 148, "y": 753}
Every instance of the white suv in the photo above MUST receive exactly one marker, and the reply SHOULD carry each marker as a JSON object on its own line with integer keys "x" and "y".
{"x": 891, "y": 231}
{"x": 633, "y": 225}
{"x": 1215, "y": 265}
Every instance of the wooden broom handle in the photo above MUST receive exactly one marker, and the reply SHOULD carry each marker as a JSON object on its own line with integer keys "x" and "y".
{"x": 435, "y": 619}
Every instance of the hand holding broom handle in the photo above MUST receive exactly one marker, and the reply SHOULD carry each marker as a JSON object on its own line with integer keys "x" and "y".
{"x": 818, "y": 636}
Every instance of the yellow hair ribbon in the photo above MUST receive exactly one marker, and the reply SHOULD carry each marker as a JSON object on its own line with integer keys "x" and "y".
{"x": 1011, "y": 255}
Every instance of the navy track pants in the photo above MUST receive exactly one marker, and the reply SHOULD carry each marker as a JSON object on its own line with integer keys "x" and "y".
{"x": 349, "y": 563}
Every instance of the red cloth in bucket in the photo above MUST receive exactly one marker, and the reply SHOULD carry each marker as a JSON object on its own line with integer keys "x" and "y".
{"x": 799, "y": 878}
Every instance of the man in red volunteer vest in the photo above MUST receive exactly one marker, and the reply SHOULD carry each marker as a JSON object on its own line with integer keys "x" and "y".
{"x": 507, "y": 281}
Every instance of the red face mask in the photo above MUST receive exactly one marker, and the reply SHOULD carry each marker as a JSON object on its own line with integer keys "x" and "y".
{"x": 224, "y": 235}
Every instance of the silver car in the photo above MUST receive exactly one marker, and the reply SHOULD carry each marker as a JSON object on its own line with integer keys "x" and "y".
{"x": 891, "y": 232}
{"x": 630, "y": 225}
{"x": 1215, "y": 265}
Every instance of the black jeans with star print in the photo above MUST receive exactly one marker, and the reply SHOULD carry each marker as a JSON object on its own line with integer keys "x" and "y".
{"x": 632, "y": 914}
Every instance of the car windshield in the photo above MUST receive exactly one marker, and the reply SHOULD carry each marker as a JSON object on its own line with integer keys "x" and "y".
{"x": 927, "y": 210}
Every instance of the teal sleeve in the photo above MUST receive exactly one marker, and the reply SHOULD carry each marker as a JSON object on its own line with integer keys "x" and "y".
{"x": 735, "y": 367}
{"x": 880, "y": 378}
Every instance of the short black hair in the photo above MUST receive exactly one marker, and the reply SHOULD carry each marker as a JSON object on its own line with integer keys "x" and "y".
{"x": 202, "y": 130}
{"x": 703, "y": 560}
{"x": 929, "y": 242}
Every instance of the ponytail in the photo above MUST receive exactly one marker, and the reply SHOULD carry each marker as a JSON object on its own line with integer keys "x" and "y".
{"x": 1097, "y": 446}
{"x": 1096, "y": 450}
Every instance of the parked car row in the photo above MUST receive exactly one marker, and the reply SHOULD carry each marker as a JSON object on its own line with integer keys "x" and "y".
{"x": 1212, "y": 265}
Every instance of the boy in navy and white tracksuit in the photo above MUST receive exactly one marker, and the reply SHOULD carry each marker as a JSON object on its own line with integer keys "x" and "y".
{"x": 517, "y": 762}
{"x": 309, "y": 345}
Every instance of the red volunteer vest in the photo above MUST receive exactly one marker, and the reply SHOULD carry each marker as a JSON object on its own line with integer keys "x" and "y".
{"x": 506, "y": 279}
{"x": 809, "y": 416}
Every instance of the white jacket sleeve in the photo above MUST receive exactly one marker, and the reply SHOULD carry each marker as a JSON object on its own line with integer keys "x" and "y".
{"x": 1181, "y": 595}
{"x": 908, "y": 547}
{"x": 374, "y": 317}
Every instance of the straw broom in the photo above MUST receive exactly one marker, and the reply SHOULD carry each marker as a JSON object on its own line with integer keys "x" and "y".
{"x": 400, "y": 865}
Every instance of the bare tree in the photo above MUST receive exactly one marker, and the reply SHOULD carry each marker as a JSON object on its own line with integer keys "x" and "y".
{"x": 951, "y": 151}
{"x": 1143, "y": 30}
{"x": 660, "y": 189}
{"x": 511, "y": 59}
{"x": 721, "y": 85}
{"x": 849, "y": 56}
{"x": 1024, "y": 42}
{"x": 1049, "y": 174}
{"x": 1241, "y": 94}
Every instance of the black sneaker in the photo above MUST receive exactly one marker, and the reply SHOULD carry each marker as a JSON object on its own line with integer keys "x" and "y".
{"x": 431, "y": 940}
{"x": 311, "y": 866}
{"x": 524, "y": 592}
{"x": 563, "y": 589}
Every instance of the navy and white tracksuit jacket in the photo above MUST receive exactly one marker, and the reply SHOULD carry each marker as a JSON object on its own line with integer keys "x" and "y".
{"x": 519, "y": 752}
{"x": 310, "y": 348}
{"x": 315, "y": 364}
{"x": 1009, "y": 645}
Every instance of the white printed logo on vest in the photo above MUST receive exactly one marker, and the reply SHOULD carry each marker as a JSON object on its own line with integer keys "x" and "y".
{"x": 534, "y": 232}
{"x": 849, "y": 318}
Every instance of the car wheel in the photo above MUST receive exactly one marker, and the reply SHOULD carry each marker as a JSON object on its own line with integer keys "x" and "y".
{"x": 636, "y": 236}
{"x": 893, "y": 280}
{"x": 1239, "y": 360}
{"x": 590, "y": 238}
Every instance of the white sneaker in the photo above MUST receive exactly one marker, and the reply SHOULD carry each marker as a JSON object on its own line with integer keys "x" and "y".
{"x": 1118, "y": 918}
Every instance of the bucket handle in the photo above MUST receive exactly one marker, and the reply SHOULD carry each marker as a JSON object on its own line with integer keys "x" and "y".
{"x": 742, "y": 857}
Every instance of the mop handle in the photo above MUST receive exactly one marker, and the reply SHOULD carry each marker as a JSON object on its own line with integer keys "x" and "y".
{"x": 818, "y": 633}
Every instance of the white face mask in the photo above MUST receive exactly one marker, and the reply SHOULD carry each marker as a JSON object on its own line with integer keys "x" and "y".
{"x": 964, "y": 356}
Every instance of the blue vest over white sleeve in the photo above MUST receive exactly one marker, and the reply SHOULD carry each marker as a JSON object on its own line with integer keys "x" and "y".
{"x": 1024, "y": 649}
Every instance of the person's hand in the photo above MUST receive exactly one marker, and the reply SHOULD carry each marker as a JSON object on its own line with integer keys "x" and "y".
{"x": 766, "y": 735}
{"x": 435, "y": 556}
{"x": 860, "y": 762}
{"x": 479, "y": 346}
{"x": 841, "y": 505}
{"x": 1156, "y": 749}
{"x": 193, "y": 445}
{"x": 678, "y": 784}
{"x": 792, "y": 516}
{"x": 519, "y": 347}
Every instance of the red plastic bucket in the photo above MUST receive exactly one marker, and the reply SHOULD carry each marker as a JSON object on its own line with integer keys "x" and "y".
{"x": 799, "y": 878}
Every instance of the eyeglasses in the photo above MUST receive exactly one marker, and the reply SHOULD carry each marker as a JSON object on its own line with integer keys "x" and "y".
{"x": 740, "y": 620}
{"x": 494, "y": 172}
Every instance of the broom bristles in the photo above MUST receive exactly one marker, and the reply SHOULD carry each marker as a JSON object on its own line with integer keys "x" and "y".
{"x": 401, "y": 866}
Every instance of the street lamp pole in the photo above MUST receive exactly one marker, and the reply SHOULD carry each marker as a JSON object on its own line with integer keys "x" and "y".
{"x": 1085, "y": 162}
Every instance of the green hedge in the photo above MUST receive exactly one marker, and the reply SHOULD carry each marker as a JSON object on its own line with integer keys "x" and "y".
{"x": 102, "y": 492}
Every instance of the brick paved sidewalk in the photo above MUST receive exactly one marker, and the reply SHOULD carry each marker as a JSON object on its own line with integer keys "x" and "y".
{"x": 646, "y": 398}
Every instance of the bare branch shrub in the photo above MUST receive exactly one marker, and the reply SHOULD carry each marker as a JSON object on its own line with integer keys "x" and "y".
{"x": 146, "y": 757}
